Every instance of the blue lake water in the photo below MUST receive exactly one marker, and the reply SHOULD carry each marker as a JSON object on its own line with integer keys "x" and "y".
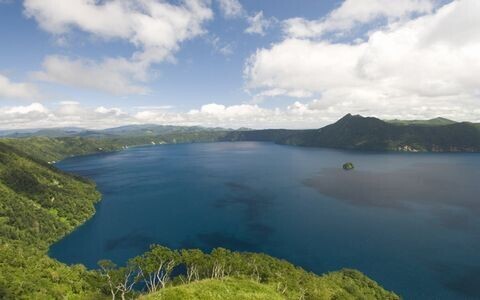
{"x": 409, "y": 221}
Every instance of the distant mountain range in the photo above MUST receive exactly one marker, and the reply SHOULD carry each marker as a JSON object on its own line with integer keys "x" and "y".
{"x": 350, "y": 132}
{"x": 128, "y": 130}
{"x": 431, "y": 122}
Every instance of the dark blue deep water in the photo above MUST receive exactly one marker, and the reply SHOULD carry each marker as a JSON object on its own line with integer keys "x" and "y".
{"x": 409, "y": 221}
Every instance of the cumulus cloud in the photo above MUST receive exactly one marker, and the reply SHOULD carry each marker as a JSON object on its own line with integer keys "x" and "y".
{"x": 65, "y": 113}
{"x": 155, "y": 28}
{"x": 423, "y": 67}
{"x": 22, "y": 116}
{"x": 14, "y": 90}
{"x": 231, "y": 8}
{"x": 353, "y": 12}
{"x": 258, "y": 23}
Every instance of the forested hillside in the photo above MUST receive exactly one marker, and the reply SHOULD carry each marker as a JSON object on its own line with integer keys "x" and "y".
{"x": 360, "y": 133}
{"x": 53, "y": 149}
{"x": 39, "y": 205}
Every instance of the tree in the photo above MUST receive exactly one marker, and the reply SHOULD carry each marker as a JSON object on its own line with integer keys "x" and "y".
{"x": 119, "y": 280}
{"x": 156, "y": 265}
{"x": 107, "y": 270}
{"x": 220, "y": 258}
{"x": 127, "y": 278}
{"x": 194, "y": 260}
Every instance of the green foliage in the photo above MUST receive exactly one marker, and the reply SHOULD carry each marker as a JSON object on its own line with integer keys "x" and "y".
{"x": 154, "y": 269}
{"x": 28, "y": 273}
{"x": 348, "y": 166}
{"x": 39, "y": 205}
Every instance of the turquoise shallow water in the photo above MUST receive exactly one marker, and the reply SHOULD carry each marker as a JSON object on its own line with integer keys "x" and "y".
{"x": 409, "y": 221}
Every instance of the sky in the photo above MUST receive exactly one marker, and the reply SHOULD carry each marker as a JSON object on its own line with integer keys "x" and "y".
{"x": 236, "y": 63}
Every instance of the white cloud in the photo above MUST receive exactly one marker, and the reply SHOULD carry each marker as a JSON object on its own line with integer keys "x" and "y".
{"x": 71, "y": 113}
{"x": 117, "y": 76}
{"x": 155, "y": 28}
{"x": 13, "y": 90}
{"x": 231, "y": 8}
{"x": 354, "y": 12}
{"x": 23, "y": 110}
{"x": 66, "y": 113}
{"x": 411, "y": 68}
{"x": 258, "y": 24}
{"x": 242, "y": 115}
{"x": 22, "y": 116}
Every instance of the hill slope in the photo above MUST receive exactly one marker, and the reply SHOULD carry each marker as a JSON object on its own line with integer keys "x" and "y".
{"x": 53, "y": 149}
{"x": 39, "y": 205}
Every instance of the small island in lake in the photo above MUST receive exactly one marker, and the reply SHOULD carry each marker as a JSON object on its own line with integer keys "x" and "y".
{"x": 348, "y": 166}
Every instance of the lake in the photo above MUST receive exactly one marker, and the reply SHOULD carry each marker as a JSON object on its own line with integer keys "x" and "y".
{"x": 410, "y": 221}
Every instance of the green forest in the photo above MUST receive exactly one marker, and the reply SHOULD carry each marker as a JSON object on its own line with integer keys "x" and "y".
{"x": 40, "y": 204}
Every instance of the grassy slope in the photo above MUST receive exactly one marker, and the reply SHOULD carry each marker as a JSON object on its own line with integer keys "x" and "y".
{"x": 214, "y": 289}
{"x": 345, "y": 284}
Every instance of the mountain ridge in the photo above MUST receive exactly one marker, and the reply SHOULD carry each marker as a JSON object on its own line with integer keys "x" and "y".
{"x": 355, "y": 132}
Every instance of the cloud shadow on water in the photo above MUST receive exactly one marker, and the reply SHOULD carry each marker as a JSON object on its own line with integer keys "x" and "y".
{"x": 449, "y": 192}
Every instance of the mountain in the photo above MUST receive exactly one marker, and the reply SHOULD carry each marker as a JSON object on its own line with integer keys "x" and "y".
{"x": 432, "y": 122}
{"x": 50, "y": 132}
{"x": 367, "y": 133}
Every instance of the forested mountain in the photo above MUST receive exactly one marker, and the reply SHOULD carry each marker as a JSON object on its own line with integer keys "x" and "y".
{"x": 366, "y": 133}
{"x": 40, "y": 204}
